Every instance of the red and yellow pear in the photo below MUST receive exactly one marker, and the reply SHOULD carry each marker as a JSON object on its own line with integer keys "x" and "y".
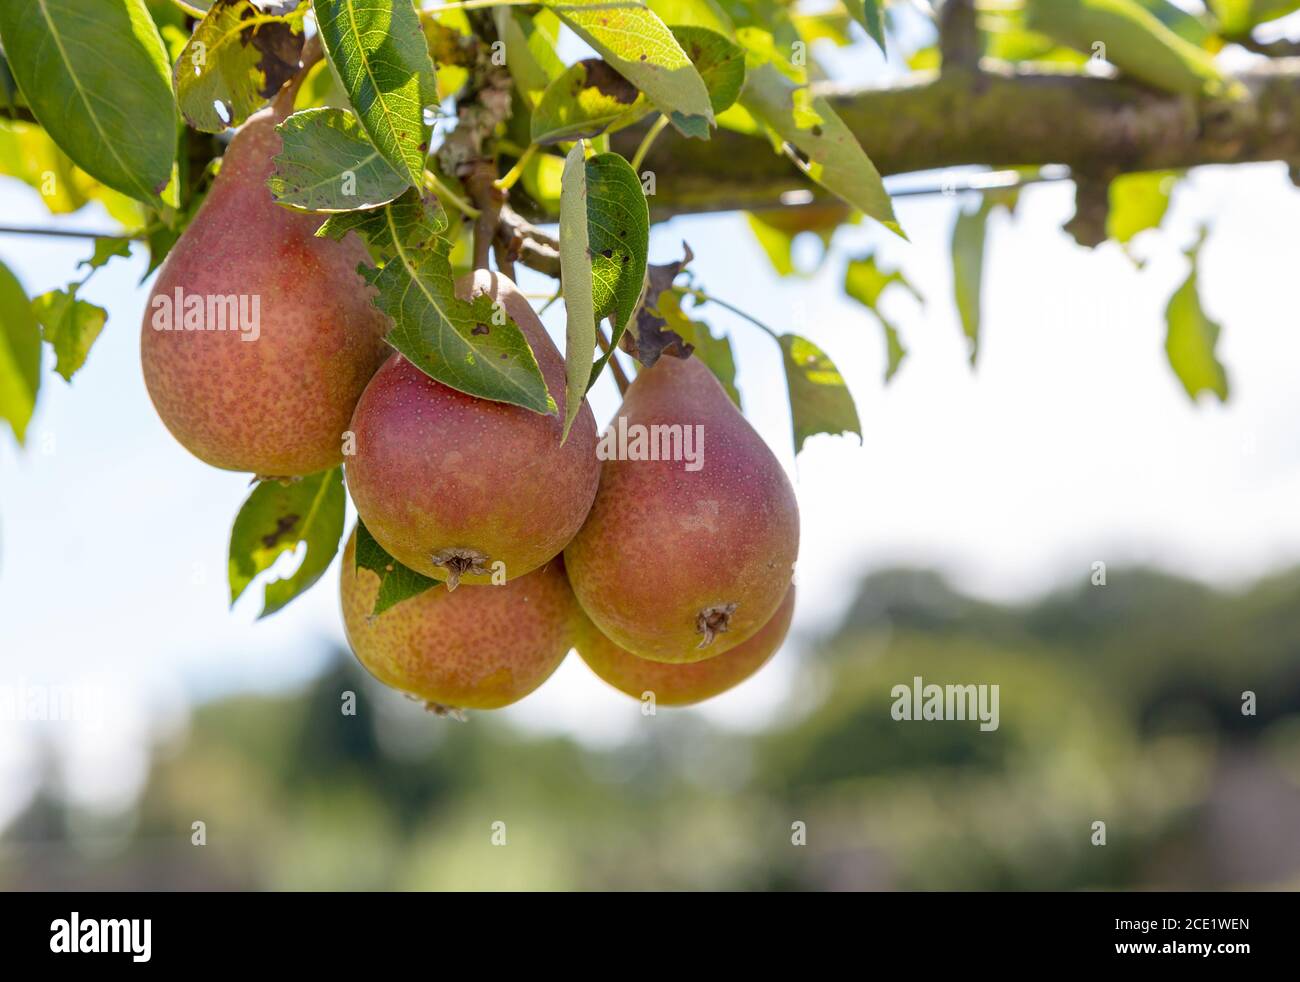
{"x": 477, "y": 648}
{"x": 684, "y": 559}
{"x": 259, "y": 337}
{"x": 684, "y": 684}
{"x": 463, "y": 489}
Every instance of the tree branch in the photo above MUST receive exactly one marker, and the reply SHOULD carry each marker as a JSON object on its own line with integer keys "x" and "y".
{"x": 959, "y": 38}
{"x": 1004, "y": 116}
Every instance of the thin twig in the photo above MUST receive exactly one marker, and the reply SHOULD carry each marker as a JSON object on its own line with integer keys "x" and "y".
{"x": 505, "y": 259}
{"x": 67, "y": 233}
{"x": 703, "y": 297}
{"x": 480, "y": 183}
{"x": 620, "y": 379}
{"x": 529, "y": 244}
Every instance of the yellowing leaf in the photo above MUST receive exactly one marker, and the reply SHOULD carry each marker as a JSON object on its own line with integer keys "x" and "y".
{"x": 20, "y": 355}
{"x": 819, "y": 400}
{"x": 588, "y": 99}
{"x": 70, "y": 326}
{"x": 1192, "y": 338}
{"x": 829, "y": 152}
{"x": 238, "y": 57}
{"x": 643, "y": 50}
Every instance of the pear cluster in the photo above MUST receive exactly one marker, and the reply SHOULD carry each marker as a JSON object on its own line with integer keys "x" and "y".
{"x": 670, "y": 577}
{"x": 670, "y": 574}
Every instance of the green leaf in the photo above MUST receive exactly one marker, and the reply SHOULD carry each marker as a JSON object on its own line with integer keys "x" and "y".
{"x": 96, "y": 77}
{"x": 10, "y": 98}
{"x": 239, "y": 56}
{"x": 396, "y": 582}
{"x": 28, "y": 153}
{"x": 382, "y": 58}
{"x": 894, "y": 350}
{"x": 618, "y": 244}
{"x": 274, "y": 520}
{"x": 777, "y": 244}
{"x": 70, "y": 326}
{"x": 830, "y": 153}
{"x": 530, "y": 49}
{"x": 20, "y": 355}
{"x": 1192, "y": 337}
{"x": 762, "y": 48}
{"x": 867, "y": 13}
{"x": 1237, "y": 17}
{"x": 865, "y": 281}
{"x": 1135, "y": 41}
{"x": 829, "y": 25}
{"x": 720, "y": 62}
{"x": 1138, "y": 202}
{"x": 1187, "y": 26}
{"x": 694, "y": 13}
{"x": 541, "y": 180}
{"x": 777, "y": 228}
{"x": 819, "y": 400}
{"x": 640, "y": 47}
{"x": 579, "y": 284}
{"x": 106, "y": 249}
{"x": 472, "y": 346}
{"x": 585, "y": 101}
{"x": 968, "y": 270}
{"x": 329, "y": 164}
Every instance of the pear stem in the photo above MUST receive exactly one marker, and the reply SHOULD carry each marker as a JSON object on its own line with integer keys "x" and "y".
{"x": 447, "y": 194}
{"x": 312, "y": 52}
{"x": 648, "y": 141}
{"x": 517, "y": 171}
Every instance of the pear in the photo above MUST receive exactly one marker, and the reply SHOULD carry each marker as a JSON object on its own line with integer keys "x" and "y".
{"x": 684, "y": 555}
{"x": 479, "y": 648}
{"x": 259, "y": 337}
{"x": 463, "y": 489}
{"x": 684, "y": 684}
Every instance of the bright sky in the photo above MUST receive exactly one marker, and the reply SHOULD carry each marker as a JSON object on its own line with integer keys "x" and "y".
{"x": 1072, "y": 442}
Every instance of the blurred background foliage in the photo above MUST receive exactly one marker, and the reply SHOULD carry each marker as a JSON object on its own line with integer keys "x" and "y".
{"x": 1120, "y": 704}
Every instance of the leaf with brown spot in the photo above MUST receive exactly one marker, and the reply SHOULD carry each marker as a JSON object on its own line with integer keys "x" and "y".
{"x": 590, "y": 98}
{"x": 274, "y": 520}
{"x": 640, "y": 47}
{"x": 648, "y": 336}
{"x": 238, "y": 65}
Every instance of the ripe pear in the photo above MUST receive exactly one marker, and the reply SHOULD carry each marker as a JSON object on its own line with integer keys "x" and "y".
{"x": 479, "y": 648}
{"x": 684, "y": 559}
{"x": 684, "y": 684}
{"x": 259, "y": 337}
{"x": 461, "y": 488}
